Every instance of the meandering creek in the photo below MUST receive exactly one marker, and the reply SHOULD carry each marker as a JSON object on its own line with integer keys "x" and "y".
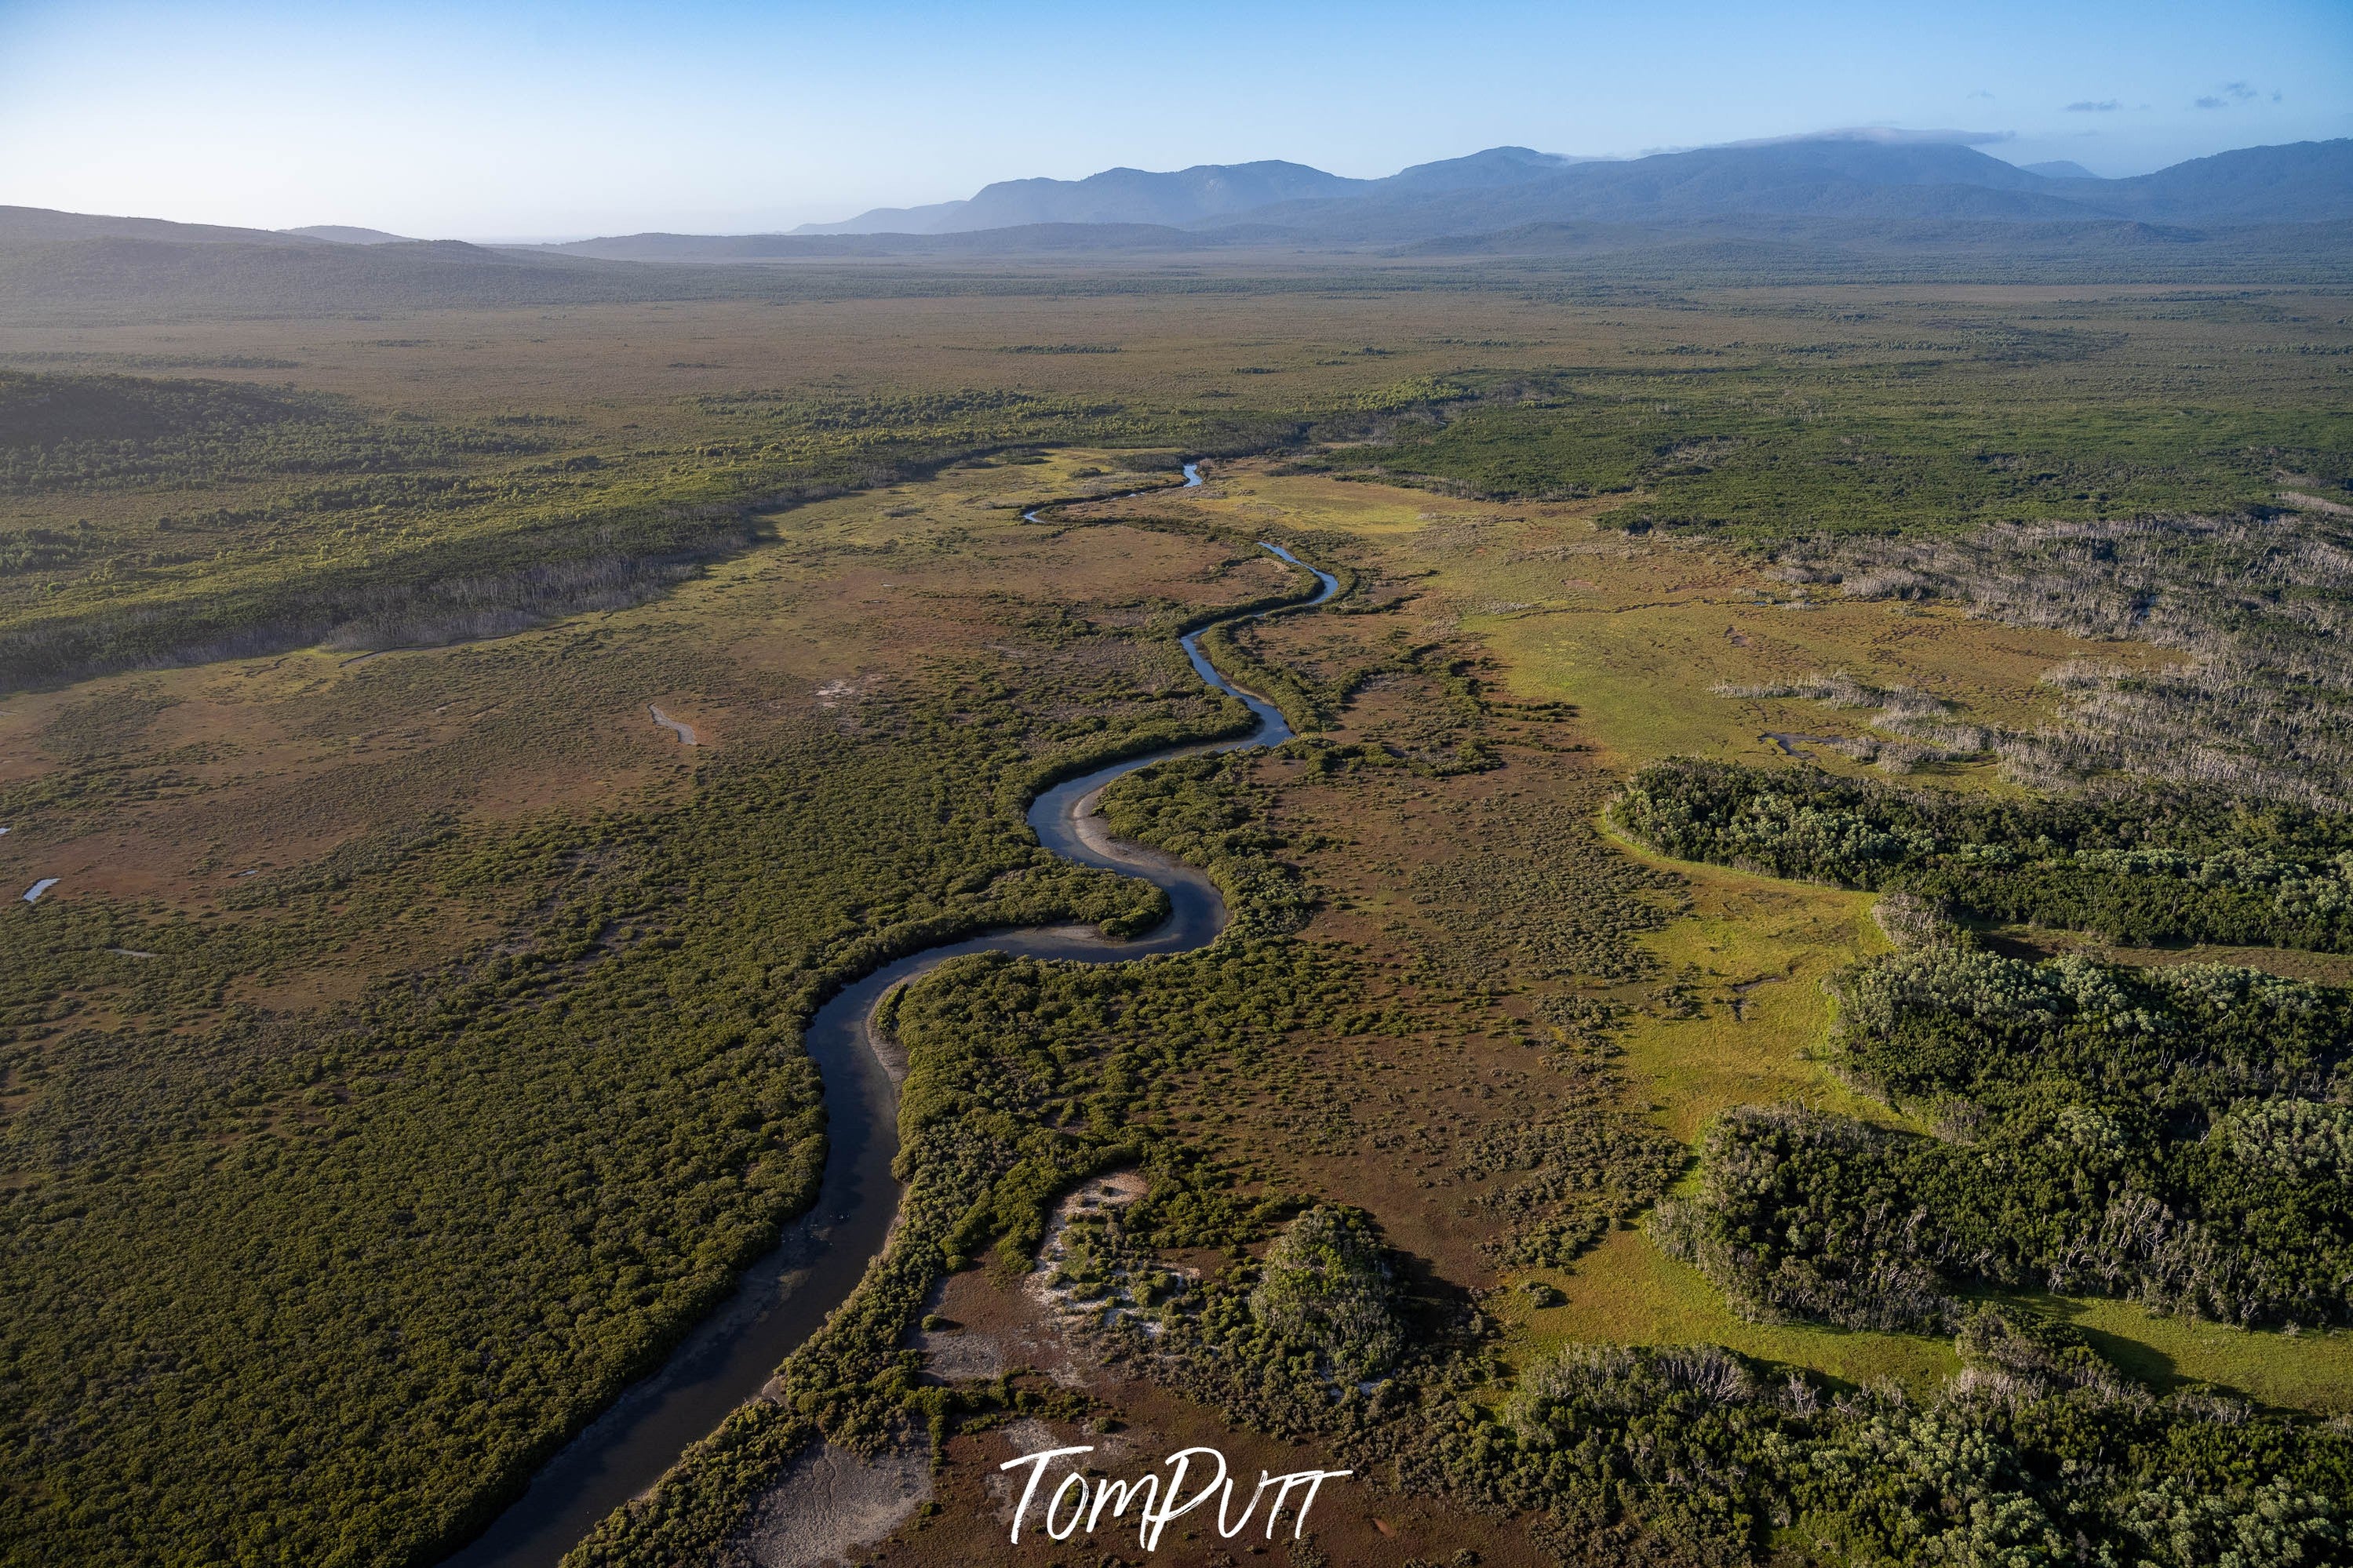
{"x": 783, "y": 1299}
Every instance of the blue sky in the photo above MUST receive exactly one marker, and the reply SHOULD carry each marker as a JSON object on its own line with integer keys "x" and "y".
{"x": 493, "y": 119}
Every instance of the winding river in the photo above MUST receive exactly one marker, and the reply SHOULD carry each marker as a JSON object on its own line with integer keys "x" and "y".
{"x": 783, "y": 1298}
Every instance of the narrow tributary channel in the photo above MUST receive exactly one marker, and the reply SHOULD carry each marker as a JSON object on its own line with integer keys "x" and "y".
{"x": 783, "y": 1298}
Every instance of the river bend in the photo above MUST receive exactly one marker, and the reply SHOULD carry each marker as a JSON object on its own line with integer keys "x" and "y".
{"x": 783, "y": 1299}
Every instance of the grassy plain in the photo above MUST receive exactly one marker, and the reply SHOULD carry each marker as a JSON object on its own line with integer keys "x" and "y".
{"x": 1734, "y": 1008}
{"x": 503, "y": 1013}
{"x": 349, "y": 473}
{"x": 2306, "y": 1371}
{"x": 1639, "y": 630}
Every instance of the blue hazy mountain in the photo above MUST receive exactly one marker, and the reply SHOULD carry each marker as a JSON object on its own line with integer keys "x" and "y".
{"x": 1853, "y": 176}
{"x": 1116, "y": 195}
{"x": 1206, "y": 190}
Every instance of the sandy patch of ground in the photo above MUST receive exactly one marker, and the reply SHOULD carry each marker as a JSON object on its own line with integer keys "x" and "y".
{"x": 1115, "y": 1452}
{"x": 951, "y": 1356}
{"x": 832, "y": 1505}
{"x": 986, "y": 1333}
{"x": 683, "y": 730}
{"x": 1063, "y": 1305}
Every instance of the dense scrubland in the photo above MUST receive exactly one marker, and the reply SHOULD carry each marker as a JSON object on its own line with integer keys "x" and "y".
{"x": 1313, "y": 1327}
{"x": 320, "y": 1282}
{"x": 304, "y": 1286}
{"x": 2134, "y": 864}
{"x": 2171, "y": 1134}
{"x": 1883, "y": 419}
{"x": 338, "y": 1194}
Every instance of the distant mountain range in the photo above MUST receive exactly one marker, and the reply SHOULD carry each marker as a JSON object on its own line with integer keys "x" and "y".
{"x": 1852, "y": 175}
{"x": 1818, "y": 206}
{"x": 1203, "y": 192}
